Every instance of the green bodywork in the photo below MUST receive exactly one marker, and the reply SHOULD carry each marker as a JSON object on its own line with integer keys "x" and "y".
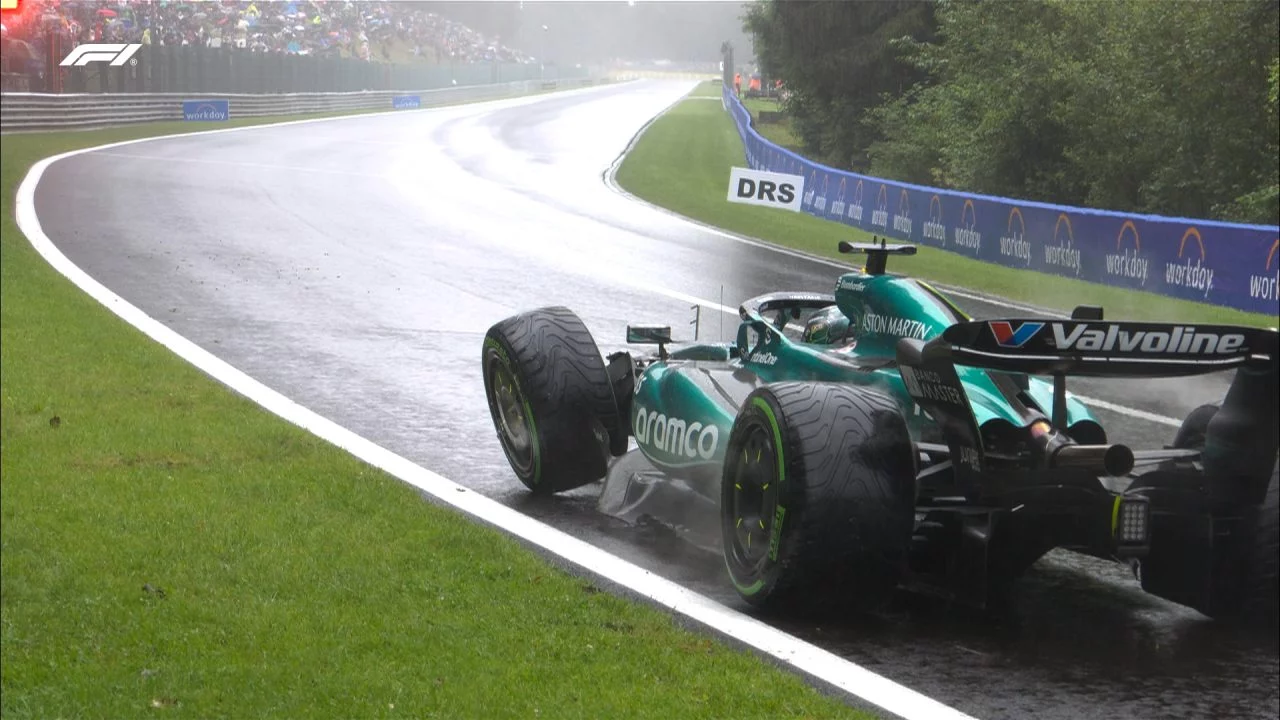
{"x": 684, "y": 407}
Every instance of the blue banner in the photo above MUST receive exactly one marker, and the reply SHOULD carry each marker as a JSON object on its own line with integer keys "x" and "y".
{"x": 206, "y": 110}
{"x": 1207, "y": 261}
{"x": 406, "y": 102}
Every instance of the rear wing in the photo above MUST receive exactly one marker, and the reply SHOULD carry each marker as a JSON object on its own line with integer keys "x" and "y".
{"x": 1241, "y": 440}
{"x": 1104, "y": 348}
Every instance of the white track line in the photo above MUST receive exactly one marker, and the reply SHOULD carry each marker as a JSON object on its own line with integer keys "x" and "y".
{"x": 1131, "y": 412}
{"x": 293, "y": 169}
{"x": 805, "y": 657}
{"x": 610, "y": 180}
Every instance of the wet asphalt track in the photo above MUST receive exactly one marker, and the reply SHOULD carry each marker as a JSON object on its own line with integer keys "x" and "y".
{"x": 355, "y": 265}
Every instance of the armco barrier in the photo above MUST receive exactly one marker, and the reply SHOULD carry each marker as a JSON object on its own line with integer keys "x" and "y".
{"x": 1226, "y": 264}
{"x": 34, "y": 111}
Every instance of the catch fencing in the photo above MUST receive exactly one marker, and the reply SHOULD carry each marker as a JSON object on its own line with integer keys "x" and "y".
{"x": 39, "y": 112}
{"x": 1227, "y": 264}
{"x": 229, "y": 69}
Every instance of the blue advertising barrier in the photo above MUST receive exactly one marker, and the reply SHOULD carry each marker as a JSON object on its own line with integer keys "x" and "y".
{"x": 1207, "y": 261}
{"x": 406, "y": 102}
{"x": 206, "y": 110}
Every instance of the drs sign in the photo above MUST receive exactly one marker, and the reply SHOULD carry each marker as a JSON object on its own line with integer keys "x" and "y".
{"x": 771, "y": 189}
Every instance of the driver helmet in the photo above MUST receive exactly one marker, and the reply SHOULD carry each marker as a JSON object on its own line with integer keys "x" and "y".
{"x": 826, "y": 327}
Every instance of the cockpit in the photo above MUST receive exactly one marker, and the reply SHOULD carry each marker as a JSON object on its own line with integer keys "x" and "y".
{"x": 828, "y": 326}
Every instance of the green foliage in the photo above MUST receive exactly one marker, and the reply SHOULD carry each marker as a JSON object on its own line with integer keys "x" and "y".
{"x": 1156, "y": 107}
{"x": 1264, "y": 203}
{"x": 837, "y": 59}
{"x": 1275, "y": 85}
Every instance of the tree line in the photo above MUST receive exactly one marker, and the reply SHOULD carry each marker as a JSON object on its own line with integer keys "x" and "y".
{"x": 1165, "y": 107}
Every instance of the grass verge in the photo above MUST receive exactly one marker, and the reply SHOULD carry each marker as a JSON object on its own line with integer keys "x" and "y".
{"x": 169, "y": 548}
{"x": 778, "y": 133}
{"x": 710, "y": 88}
{"x": 682, "y": 163}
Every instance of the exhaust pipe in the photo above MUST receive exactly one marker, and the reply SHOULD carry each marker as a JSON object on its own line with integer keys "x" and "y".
{"x": 1113, "y": 460}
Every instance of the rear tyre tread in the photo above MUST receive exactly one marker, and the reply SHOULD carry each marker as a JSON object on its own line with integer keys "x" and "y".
{"x": 1262, "y": 584}
{"x": 850, "y": 504}
{"x": 1249, "y": 594}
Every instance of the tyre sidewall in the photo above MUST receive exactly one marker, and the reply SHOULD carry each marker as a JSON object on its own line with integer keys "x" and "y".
{"x": 498, "y": 350}
{"x": 757, "y": 583}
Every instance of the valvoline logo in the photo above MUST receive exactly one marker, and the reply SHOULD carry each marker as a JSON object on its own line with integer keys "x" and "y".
{"x": 1007, "y": 336}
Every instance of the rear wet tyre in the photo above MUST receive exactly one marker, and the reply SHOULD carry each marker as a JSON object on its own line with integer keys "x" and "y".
{"x": 1191, "y": 433}
{"x": 550, "y": 399}
{"x": 1261, "y": 593}
{"x": 1247, "y": 589}
{"x": 817, "y": 498}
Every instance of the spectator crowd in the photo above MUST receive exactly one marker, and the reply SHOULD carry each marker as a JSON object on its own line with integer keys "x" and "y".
{"x": 371, "y": 31}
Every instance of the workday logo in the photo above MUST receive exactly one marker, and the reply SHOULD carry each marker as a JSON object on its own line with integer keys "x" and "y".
{"x": 1263, "y": 286}
{"x": 837, "y": 206}
{"x": 880, "y": 216}
{"x": 855, "y": 207}
{"x": 812, "y": 187}
{"x": 820, "y": 202}
{"x": 934, "y": 228}
{"x": 965, "y": 234}
{"x": 1186, "y": 273}
{"x": 1013, "y": 244}
{"x": 902, "y": 218}
{"x": 1008, "y": 336}
{"x": 1126, "y": 263}
{"x": 206, "y": 110}
{"x": 414, "y": 102}
{"x": 1061, "y": 255}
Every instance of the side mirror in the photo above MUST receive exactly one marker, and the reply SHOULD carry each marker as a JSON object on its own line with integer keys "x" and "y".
{"x": 649, "y": 334}
{"x": 1087, "y": 312}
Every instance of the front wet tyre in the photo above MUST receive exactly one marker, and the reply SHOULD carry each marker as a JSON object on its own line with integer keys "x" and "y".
{"x": 550, "y": 399}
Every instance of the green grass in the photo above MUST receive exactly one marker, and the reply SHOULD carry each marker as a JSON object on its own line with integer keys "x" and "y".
{"x": 682, "y": 163}
{"x": 167, "y": 548}
{"x": 708, "y": 88}
{"x": 778, "y": 133}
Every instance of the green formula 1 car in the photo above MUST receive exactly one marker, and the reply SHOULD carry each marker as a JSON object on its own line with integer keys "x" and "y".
{"x": 851, "y": 443}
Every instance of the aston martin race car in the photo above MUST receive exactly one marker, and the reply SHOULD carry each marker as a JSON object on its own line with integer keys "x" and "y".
{"x": 877, "y": 437}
